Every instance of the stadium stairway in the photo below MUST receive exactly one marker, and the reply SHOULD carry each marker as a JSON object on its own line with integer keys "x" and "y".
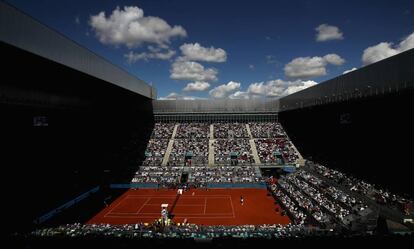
{"x": 301, "y": 160}
{"x": 169, "y": 147}
{"x": 253, "y": 145}
{"x": 211, "y": 146}
{"x": 174, "y": 131}
{"x": 254, "y": 151}
{"x": 248, "y": 131}
{"x": 211, "y": 152}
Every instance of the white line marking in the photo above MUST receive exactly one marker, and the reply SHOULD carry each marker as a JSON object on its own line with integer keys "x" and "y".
{"x": 205, "y": 204}
{"x": 184, "y": 196}
{"x": 180, "y": 205}
{"x": 177, "y": 216}
{"x": 232, "y": 208}
{"x": 113, "y": 208}
{"x": 143, "y": 205}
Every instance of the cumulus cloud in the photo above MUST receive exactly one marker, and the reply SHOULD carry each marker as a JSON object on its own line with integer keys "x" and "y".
{"x": 272, "y": 89}
{"x": 309, "y": 67}
{"x": 196, "y": 52}
{"x": 224, "y": 90}
{"x": 386, "y": 49}
{"x": 197, "y": 86}
{"x": 152, "y": 54}
{"x": 191, "y": 70}
{"x": 328, "y": 32}
{"x": 278, "y": 87}
{"x": 334, "y": 59}
{"x": 239, "y": 95}
{"x": 175, "y": 96}
{"x": 350, "y": 70}
{"x": 129, "y": 26}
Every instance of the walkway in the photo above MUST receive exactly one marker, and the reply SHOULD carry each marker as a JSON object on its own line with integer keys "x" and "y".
{"x": 169, "y": 147}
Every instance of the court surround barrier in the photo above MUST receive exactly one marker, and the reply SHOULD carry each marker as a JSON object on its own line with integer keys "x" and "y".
{"x": 209, "y": 185}
{"x": 133, "y": 185}
{"x": 67, "y": 205}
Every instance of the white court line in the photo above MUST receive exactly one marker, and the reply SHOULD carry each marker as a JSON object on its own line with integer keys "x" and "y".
{"x": 181, "y": 205}
{"x": 232, "y": 208}
{"x": 183, "y": 196}
{"x": 112, "y": 210}
{"x": 119, "y": 203}
{"x": 177, "y": 216}
{"x": 143, "y": 205}
{"x": 205, "y": 205}
{"x": 134, "y": 215}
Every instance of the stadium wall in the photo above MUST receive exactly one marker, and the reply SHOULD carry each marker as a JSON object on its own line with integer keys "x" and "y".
{"x": 70, "y": 120}
{"x": 215, "y": 106}
{"x": 62, "y": 133}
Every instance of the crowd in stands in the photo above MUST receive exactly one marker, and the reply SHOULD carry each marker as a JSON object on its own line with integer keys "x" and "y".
{"x": 239, "y": 149}
{"x": 193, "y": 131}
{"x": 156, "y": 174}
{"x": 224, "y": 174}
{"x": 267, "y": 130}
{"x": 324, "y": 204}
{"x": 380, "y": 196}
{"x": 181, "y": 231}
{"x": 230, "y": 130}
{"x": 199, "y": 176}
{"x": 310, "y": 200}
{"x": 198, "y": 149}
{"x": 155, "y": 151}
{"x": 268, "y": 150}
{"x": 162, "y": 130}
{"x": 231, "y": 144}
{"x": 295, "y": 211}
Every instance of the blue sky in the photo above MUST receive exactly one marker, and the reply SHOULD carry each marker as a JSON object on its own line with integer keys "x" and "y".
{"x": 233, "y": 49}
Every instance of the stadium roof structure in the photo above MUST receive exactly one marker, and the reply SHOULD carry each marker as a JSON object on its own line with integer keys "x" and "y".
{"x": 390, "y": 75}
{"x": 22, "y": 31}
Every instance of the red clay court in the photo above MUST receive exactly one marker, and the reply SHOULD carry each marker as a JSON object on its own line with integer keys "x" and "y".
{"x": 204, "y": 207}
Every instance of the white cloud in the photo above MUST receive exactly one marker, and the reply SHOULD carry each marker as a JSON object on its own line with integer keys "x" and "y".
{"x": 350, "y": 70}
{"x": 328, "y": 32}
{"x": 334, "y": 59}
{"x": 160, "y": 55}
{"x": 278, "y": 87}
{"x": 197, "y": 86}
{"x": 298, "y": 86}
{"x": 386, "y": 49}
{"x": 196, "y": 52}
{"x": 190, "y": 70}
{"x": 129, "y": 26}
{"x": 251, "y": 67}
{"x": 272, "y": 89}
{"x": 225, "y": 90}
{"x": 239, "y": 95}
{"x": 175, "y": 96}
{"x": 310, "y": 67}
